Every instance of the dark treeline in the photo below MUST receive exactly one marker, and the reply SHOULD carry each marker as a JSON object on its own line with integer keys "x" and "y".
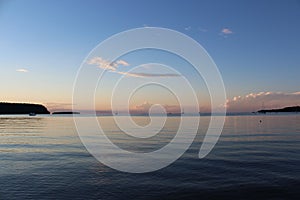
{"x": 65, "y": 113}
{"x": 22, "y": 108}
{"x": 286, "y": 109}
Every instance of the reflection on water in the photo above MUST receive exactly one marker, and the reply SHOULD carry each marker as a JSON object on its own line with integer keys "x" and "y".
{"x": 35, "y": 134}
{"x": 43, "y": 158}
{"x": 12, "y": 125}
{"x": 135, "y": 144}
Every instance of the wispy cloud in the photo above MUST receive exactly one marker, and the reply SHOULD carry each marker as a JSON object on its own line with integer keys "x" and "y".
{"x": 113, "y": 67}
{"x": 22, "y": 70}
{"x": 262, "y": 100}
{"x": 188, "y": 28}
{"x": 145, "y": 75}
{"x": 122, "y": 62}
{"x": 203, "y": 30}
{"x": 226, "y": 31}
{"x": 107, "y": 65}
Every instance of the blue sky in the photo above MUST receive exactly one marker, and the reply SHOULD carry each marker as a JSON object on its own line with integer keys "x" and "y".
{"x": 258, "y": 50}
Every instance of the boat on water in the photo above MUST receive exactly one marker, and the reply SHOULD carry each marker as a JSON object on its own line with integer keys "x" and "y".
{"x": 32, "y": 114}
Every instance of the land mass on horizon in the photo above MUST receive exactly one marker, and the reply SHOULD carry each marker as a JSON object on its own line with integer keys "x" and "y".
{"x": 286, "y": 109}
{"x": 22, "y": 108}
{"x": 66, "y": 113}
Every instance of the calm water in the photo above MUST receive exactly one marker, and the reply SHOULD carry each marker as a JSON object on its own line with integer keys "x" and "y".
{"x": 43, "y": 158}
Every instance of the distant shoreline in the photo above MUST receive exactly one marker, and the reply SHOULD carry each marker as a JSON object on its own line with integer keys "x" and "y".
{"x": 292, "y": 109}
{"x": 66, "y": 113}
{"x": 28, "y": 108}
{"x": 185, "y": 115}
{"x": 22, "y": 108}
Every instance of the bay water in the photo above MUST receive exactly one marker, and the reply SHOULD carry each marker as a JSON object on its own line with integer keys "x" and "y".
{"x": 257, "y": 156}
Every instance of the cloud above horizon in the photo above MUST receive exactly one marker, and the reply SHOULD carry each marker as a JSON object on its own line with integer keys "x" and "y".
{"x": 202, "y": 30}
{"x": 22, "y": 70}
{"x": 146, "y": 75}
{"x": 188, "y": 28}
{"x": 107, "y": 65}
{"x": 226, "y": 31}
{"x": 262, "y": 100}
{"x": 113, "y": 67}
{"x": 145, "y": 106}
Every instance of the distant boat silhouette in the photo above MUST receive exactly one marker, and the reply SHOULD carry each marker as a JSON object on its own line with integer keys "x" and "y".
{"x": 174, "y": 114}
{"x": 32, "y": 114}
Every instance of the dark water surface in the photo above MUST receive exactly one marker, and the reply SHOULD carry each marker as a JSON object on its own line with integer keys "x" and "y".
{"x": 43, "y": 158}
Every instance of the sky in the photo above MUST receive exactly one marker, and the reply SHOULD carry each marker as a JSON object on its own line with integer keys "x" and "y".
{"x": 255, "y": 45}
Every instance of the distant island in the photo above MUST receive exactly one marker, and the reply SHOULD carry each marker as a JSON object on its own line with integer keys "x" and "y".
{"x": 286, "y": 109}
{"x": 22, "y": 108}
{"x": 66, "y": 113}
